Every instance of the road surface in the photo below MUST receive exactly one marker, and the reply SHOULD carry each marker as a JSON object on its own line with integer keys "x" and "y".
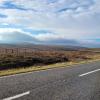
{"x": 79, "y": 82}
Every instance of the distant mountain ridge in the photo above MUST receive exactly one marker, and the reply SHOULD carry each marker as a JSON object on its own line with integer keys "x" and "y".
{"x": 42, "y": 47}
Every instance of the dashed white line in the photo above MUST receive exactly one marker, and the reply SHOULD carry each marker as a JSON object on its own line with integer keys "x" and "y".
{"x": 17, "y": 96}
{"x": 89, "y": 72}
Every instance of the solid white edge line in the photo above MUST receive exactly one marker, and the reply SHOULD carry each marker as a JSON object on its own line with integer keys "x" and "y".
{"x": 89, "y": 72}
{"x": 17, "y": 96}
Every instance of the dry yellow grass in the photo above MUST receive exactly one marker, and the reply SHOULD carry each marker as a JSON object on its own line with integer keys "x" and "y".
{"x": 39, "y": 68}
{"x": 74, "y": 57}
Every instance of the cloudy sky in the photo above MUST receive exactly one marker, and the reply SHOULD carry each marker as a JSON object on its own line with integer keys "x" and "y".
{"x": 67, "y": 22}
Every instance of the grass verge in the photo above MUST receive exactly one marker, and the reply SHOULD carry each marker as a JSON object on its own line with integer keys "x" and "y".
{"x": 39, "y": 68}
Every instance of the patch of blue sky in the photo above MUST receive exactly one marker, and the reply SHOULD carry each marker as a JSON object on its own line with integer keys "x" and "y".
{"x": 52, "y": 1}
{"x": 67, "y": 8}
{"x": 11, "y": 5}
{"x": 85, "y": 2}
{"x": 97, "y": 40}
{"x": 35, "y": 31}
{"x": 6, "y": 25}
{"x": 85, "y": 5}
{"x": 3, "y": 16}
{"x": 24, "y": 29}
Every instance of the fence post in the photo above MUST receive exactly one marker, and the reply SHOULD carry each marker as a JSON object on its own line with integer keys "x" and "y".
{"x": 17, "y": 51}
{"x": 6, "y": 51}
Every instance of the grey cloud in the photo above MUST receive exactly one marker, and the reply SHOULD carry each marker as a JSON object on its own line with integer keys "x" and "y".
{"x": 63, "y": 42}
{"x": 16, "y": 37}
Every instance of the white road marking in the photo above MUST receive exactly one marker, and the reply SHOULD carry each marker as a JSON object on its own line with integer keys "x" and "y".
{"x": 89, "y": 72}
{"x": 17, "y": 96}
{"x": 25, "y": 73}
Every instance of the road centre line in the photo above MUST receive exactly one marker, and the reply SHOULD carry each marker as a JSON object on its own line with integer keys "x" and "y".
{"x": 89, "y": 72}
{"x": 17, "y": 96}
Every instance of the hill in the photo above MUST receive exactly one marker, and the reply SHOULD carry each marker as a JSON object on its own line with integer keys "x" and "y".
{"x": 42, "y": 47}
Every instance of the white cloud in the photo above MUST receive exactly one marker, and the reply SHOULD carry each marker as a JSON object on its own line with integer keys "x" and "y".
{"x": 15, "y": 35}
{"x": 70, "y": 19}
{"x": 12, "y": 30}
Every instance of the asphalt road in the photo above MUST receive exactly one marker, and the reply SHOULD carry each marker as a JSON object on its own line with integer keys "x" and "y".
{"x": 80, "y": 82}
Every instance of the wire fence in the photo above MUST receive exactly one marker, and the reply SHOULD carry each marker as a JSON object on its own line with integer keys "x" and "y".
{"x": 16, "y": 51}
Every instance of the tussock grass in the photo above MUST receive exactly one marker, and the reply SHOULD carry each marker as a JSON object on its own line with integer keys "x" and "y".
{"x": 43, "y": 60}
{"x": 39, "y": 68}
